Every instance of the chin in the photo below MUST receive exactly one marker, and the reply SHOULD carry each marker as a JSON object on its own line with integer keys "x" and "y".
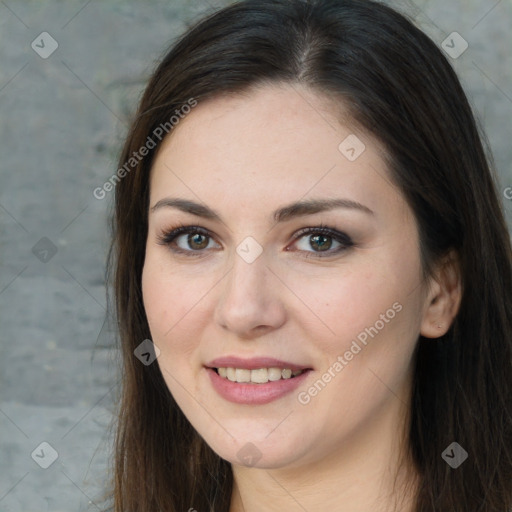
{"x": 255, "y": 451}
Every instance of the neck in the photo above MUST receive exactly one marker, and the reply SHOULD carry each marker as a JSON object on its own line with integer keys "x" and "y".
{"x": 370, "y": 471}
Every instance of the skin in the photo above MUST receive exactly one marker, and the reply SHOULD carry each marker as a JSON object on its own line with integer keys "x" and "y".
{"x": 245, "y": 156}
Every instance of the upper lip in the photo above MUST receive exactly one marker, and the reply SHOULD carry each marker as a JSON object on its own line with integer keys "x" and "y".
{"x": 254, "y": 363}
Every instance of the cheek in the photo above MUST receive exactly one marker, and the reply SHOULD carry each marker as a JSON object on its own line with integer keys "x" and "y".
{"x": 348, "y": 304}
{"x": 169, "y": 296}
{"x": 168, "y": 314}
{"x": 156, "y": 298}
{"x": 371, "y": 319}
{"x": 165, "y": 309}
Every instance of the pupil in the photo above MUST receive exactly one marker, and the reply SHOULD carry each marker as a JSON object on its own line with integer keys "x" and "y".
{"x": 322, "y": 245}
{"x": 196, "y": 239}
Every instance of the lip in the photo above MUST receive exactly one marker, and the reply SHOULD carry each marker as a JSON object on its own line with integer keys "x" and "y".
{"x": 254, "y": 363}
{"x": 254, "y": 394}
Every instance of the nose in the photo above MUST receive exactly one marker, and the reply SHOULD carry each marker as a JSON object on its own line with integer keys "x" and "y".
{"x": 251, "y": 299}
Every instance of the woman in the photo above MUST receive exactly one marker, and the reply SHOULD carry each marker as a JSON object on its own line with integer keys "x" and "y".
{"x": 313, "y": 274}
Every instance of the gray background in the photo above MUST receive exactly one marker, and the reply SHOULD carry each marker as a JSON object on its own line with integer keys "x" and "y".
{"x": 62, "y": 120}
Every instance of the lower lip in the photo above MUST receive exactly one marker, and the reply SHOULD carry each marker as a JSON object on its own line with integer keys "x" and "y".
{"x": 254, "y": 394}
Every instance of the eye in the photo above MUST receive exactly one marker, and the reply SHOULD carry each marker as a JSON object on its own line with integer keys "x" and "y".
{"x": 191, "y": 240}
{"x": 322, "y": 239}
{"x": 194, "y": 240}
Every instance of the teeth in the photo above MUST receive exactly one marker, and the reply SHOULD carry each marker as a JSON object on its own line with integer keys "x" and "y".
{"x": 243, "y": 375}
{"x": 286, "y": 374}
{"x": 259, "y": 376}
{"x": 274, "y": 374}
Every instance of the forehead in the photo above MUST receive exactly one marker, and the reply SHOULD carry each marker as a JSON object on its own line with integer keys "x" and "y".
{"x": 269, "y": 123}
{"x": 272, "y": 144}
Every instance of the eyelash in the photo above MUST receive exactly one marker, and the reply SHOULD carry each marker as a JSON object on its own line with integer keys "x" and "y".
{"x": 167, "y": 238}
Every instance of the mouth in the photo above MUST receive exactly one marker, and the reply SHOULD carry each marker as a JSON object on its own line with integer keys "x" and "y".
{"x": 255, "y": 380}
{"x": 257, "y": 385}
{"x": 257, "y": 375}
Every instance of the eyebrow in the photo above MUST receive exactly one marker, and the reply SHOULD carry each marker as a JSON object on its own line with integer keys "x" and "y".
{"x": 285, "y": 213}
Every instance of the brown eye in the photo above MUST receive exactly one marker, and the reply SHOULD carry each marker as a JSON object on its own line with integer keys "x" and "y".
{"x": 318, "y": 242}
{"x": 190, "y": 240}
{"x": 197, "y": 241}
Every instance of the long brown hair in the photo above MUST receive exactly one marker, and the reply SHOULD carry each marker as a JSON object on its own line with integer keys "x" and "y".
{"x": 398, "y": 86}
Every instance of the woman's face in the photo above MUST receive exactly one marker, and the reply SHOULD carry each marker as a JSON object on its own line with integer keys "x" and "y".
{"x": 345, "y": 303}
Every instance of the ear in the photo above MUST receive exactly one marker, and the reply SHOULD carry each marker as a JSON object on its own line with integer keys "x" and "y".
{"x": 443, "y": 298}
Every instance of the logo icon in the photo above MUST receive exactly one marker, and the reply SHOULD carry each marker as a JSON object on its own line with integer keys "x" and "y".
{"x": 454, "y": 455}
{"x": 249, "y": 249}
{"x": 44, "y": 250}
{"x": 44, "y": 455}
{"x": 147, "y": 352}
{"x": 249, "y": 455}
{"x": 44, "y": 45}
{"x": 352, "y": 147}
{"x": 454, "y": 45}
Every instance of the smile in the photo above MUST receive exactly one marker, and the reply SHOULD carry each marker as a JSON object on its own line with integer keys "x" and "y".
{"x": 260, "y": 391}
{"x": 257, "y": 376}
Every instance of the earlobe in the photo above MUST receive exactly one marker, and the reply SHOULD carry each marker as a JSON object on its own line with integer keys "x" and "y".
{"x": 443, "y": 300}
